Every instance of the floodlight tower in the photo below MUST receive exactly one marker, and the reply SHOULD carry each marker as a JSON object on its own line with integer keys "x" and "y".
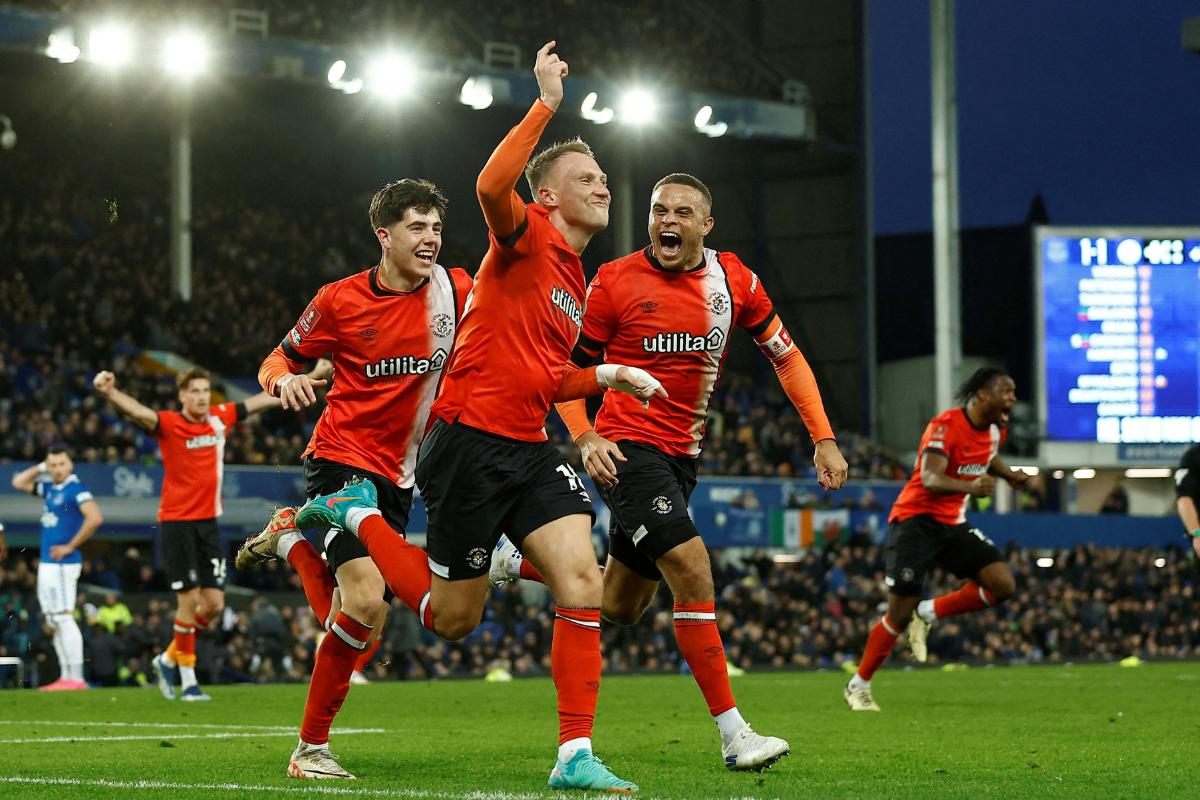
{"x": 185, "y": 55}
{"x": 947, "y": 336}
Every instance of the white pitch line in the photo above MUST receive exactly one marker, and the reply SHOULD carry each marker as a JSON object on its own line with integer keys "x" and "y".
{"x": 415, "y": 794}
{"x": 188, "y": 725}
{"x": 172, "y": 736}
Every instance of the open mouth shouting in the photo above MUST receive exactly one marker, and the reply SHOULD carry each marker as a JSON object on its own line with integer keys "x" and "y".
{"x": 425, "y": 256}
{"x": 670, "y": 244}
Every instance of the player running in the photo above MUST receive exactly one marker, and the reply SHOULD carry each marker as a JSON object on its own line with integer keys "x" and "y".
{"x": 390, "y": 330}
{"x": 1187, "y": 494}
{"x": 957, "y": 459}
{"x": 673, "y": 305}
{"x": 192, "y": 442}
{"x": 70, "y": 518}
{"x": 486, "y": 465}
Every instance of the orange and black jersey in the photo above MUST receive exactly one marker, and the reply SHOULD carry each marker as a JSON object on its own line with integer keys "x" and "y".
{"x": 969, "y": 452}
{"x": 675, "y": 325}
{"x": 389, "y": 351}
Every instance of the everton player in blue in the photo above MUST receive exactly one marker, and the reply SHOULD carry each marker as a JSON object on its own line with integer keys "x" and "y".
{"x": 69, "y": 519}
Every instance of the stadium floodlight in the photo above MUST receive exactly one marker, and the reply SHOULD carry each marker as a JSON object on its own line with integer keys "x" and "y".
{"x": 1083, "y": 474}
{"x": 1045, "y": 562}
{"x": 1160, "y": 562}
{"x": 705, "y": 125}
{"x": 638, "y": 107}
{"x": 589, "y": 111}
{"x": 337, "y": 71}
{"x": 352, "y": 86}
{"x": 1028, "y": 470}
{"x": 476, "y": 93}
{"x": 186, "y": 54}
{"x": 61, "y": 46}
{"x": 1057, "y": 474}
{"x": 110, "y": 45}
{"x": 391, "y": 75}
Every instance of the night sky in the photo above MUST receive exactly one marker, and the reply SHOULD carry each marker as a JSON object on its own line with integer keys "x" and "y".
{"x": 1096, "y": 105}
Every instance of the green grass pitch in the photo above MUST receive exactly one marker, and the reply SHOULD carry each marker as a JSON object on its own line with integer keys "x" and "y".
{"x": 1045, "y": 732}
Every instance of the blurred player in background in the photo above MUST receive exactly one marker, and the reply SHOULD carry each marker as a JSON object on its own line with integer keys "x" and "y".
{"x": 390, "y": 331}
{"x": 486, "y": 465}
{"x": 1187, "y": 495}
{"x": 672, "y": 306}
{"x": 956, "y": 460}
{"x": 192, "y": 442}
{"x": 69, "y": 519}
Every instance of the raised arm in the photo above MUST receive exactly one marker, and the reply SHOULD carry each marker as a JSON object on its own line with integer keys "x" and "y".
{"x": 503, "y": 208}
{"x": 26, "y": 479}
{"x": 106, "y": 385}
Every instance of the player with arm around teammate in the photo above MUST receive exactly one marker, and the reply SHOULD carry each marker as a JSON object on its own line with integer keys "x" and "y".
{"x": 70, "y": 518}
{"x": 957, "y": 459}
{"x": 486, "y": 465}
{"x": 390, "y": 331}
{"x": 192, "y": 443}
{"x": 673, "y": 306}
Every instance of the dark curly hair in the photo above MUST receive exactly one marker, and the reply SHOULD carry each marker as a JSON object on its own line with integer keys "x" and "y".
{"x": 979, "y": 379}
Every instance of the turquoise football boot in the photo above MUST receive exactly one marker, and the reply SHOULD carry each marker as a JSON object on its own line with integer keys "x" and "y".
{"x": 329, "y": 510}
{"x": 586, "y": 771}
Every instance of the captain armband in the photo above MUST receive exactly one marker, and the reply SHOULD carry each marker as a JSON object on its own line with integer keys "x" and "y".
{"x": 777, "y": 346}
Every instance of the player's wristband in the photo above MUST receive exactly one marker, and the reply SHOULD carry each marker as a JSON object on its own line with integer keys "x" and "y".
{"x": 1195, "y": 534}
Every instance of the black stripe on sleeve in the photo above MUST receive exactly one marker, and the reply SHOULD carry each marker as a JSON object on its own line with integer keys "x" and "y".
{"x": 761, "y": 328}
{"x": 239, "y": 412}
{"x": 291, "y": 353}
{"x": 516, "y": 235}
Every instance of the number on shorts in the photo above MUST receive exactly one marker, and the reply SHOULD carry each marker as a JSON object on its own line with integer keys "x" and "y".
{"x": 571, "y": 476}
{"x": 218, "y": 568}
{"x": 979, "y": 535}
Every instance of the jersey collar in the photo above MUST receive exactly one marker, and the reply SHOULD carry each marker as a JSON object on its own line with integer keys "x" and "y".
{"x": 379, "y": 290}
{"x": 987, "y": 426}
{"x": 649, "y": 254}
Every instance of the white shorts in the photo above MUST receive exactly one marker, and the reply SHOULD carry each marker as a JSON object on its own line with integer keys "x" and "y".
{"x": 56, "y": 587}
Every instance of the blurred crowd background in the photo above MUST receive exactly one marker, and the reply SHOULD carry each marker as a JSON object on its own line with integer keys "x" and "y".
{"x": 1093, "y": 604}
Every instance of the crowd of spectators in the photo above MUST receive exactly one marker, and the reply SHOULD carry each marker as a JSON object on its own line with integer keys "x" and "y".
{"x": 88, "y": 292}
{"x": 812, "y": 613}
{"x": 600, "y": 37}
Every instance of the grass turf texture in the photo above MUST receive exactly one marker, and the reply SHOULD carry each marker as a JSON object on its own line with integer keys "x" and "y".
{"x": 1085, "y": 731}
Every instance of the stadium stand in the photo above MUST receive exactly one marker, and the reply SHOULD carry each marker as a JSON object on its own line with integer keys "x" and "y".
{"x": 1095, "y": 603}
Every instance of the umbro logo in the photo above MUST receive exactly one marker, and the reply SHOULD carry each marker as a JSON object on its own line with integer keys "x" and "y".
{"x": 649, "y": 306}
{"x": 368, "y": 333}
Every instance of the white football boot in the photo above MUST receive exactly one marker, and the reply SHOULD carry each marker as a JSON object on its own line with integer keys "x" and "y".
{"x": 748, "y": 750}
{"x": 918, "y": 638}
{"x": 860, "y": 699}
{"x": 316, "y": 763}
{"x": 506, "y": 563}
